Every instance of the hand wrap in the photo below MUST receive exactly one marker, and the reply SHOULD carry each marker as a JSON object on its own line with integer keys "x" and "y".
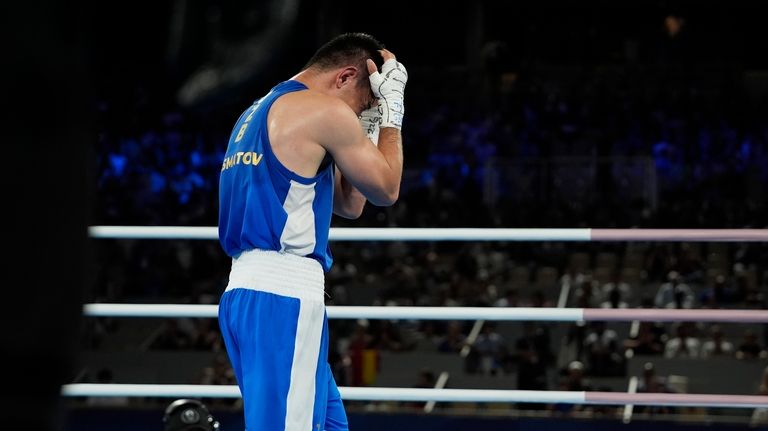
{"x": 370, "y": 120}
{"x": 389, "y": 88}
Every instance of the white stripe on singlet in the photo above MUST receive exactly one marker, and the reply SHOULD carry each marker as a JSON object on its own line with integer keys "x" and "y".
{"x": 299, "y": 236}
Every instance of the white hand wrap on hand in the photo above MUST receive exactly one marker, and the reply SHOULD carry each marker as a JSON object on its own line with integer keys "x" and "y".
{"x": 389, "y": 88}
{"x": 369, "y": 121}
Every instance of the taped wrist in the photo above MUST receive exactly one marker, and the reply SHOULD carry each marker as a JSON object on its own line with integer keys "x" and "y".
{"x": 370, "y": 120}
{"x": 389, "y": 88}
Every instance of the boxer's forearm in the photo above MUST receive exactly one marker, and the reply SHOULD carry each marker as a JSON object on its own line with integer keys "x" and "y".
{"x": 348, "y": 202}
{"x": 391, "y": 147}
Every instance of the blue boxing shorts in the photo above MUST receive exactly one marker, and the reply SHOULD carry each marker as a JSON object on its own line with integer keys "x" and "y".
{"x": 272, "y": 318}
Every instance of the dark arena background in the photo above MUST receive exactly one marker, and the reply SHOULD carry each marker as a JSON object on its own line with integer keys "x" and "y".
{"x": 519, "y": 114}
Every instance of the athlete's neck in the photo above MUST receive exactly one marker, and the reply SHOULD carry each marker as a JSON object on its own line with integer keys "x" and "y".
{"x": 322, "y": 82}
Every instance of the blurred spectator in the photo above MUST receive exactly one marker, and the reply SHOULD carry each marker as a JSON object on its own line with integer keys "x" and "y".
{"x": 616, "y": 292}
{"x": 220, "y": 372}
{"x": 425, "y": 380}
{"x": 760, "y": 414}
{"x": 386, "y": 336}
{"x": 539, "y": 299}
{"x": 650, "y": 382}
{"x": 674, "y": 293}
{"x": 572, "y": 381}
{"x": 208, "y": 337}
{"x": 510, "y": 299}
{"x": 454, "y": 340}
{"x": 688, "y": 264}
{"x": 491, "y": 349}
{"x": 657, "y": 263}
{"x": 533, "y": 356}
{"x": 572, "y": 277}
{"x": 574, "y": 342}
{"x": 207, "y": 376}
{"x": 717, "y": 293}
{"x": 223, "y": 374}
{"x": 649, "y": 341}
{"x": 363, "y": 356}
{"x": 750, "y": 348}
{"x": 574, "y": 378}
{"x": 614, "y": 299}
{"x": 587, "y": 294}
{"x": 742, "y": 291}
{"x": 428, "y": 340}
{"x": 683, "y": 345}
{"x": 602, "y": 351}
{"x": 716, "y": 346}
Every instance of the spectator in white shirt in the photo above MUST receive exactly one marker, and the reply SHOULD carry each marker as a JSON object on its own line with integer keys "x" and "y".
{"x": 674, "y": 293}
{"x": 683, "y": 345}
{"x": 717, "y": 346}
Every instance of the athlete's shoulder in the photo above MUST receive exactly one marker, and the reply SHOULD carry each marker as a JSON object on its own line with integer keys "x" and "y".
{"x": 317, "y": 109}
{"x": 312, "y": 99}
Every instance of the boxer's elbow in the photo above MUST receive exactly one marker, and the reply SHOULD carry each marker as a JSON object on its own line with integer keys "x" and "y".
{"x": 387, "y": 197}
{"x": 351, "y": 212}
{"x": 350, "y": 206}
{"x": 393, "y": 195}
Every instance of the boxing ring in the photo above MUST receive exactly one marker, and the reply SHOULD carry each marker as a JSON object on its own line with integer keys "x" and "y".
{"x": 450, "y": 313}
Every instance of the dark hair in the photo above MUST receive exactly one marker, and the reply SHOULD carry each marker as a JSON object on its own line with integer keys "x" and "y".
{"x": 347, "y": 49}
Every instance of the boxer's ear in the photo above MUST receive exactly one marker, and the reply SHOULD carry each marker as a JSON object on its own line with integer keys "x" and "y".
{"x": 347, "y": 76}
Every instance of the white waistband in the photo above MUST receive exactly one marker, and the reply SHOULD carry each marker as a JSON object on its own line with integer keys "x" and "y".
{"x": 279, "y": 273}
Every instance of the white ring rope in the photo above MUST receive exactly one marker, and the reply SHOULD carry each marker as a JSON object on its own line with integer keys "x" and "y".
{"x": 455, "y": 313}
{"x": 447, "y": 313}
{"x": 440, "y": 395}
{"x": 456, "y": 234}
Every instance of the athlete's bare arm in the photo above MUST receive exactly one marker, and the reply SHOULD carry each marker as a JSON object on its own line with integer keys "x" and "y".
{"x": 373, "y": 170}
{"x": 303, "y": 125}
{"x": 348, "y": 202}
